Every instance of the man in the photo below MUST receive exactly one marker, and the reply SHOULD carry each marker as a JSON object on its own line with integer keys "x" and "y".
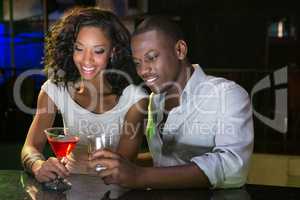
{"x": 200, "y": 128}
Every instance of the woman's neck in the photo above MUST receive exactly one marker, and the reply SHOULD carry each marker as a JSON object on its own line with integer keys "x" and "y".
{"x": 97, "y": 86}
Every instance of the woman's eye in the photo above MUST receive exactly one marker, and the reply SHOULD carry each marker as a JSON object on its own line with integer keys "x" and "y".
{"x": 76, "y": 48}
{"x": 99, "y": 51}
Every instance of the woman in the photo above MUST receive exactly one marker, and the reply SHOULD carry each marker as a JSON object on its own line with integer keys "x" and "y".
{"x": 88, "y": 63}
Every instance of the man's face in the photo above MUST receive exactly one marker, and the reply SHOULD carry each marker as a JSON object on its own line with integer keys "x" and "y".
{"x": 156, "y": 60}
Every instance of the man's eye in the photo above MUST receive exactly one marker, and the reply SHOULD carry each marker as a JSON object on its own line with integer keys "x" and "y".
{"x": 152, "y": 57}
{"x": 137, "y": 64}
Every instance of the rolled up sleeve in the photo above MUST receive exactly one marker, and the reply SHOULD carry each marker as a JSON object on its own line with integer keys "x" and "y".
{"x": 226, "y": 165}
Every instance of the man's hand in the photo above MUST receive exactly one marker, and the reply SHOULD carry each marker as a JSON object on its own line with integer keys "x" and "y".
{"x": 118, "y": 169}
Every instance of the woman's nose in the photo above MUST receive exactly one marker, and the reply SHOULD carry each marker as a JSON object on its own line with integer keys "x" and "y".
{"x": 87, "y": 58}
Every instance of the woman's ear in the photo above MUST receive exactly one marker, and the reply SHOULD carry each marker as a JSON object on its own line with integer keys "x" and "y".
{"x": 112, "y": 55}
{"x": 113, "y": 52}
{"x": 181, "y": 49}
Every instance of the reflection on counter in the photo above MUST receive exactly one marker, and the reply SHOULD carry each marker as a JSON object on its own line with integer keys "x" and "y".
{"x": 16, "y": 185}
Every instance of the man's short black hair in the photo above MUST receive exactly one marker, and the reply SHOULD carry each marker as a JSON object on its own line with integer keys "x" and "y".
{"x": 160, "y": 23}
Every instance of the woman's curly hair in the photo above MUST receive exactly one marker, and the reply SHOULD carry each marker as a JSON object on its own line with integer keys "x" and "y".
{"x": 59, "y": 64}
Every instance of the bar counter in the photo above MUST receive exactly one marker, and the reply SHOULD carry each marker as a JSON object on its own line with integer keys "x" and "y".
{"x": 17, "y": 185}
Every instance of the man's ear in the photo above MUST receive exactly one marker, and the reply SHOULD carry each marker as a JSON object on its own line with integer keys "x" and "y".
{"x": 181, "y": 49}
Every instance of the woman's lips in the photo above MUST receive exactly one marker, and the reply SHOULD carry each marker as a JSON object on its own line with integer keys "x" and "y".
{"x": 88, "y": 70}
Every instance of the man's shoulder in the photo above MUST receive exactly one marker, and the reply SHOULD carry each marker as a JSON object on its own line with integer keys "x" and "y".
{"x": 219, "y": 84}
{"x": 134, "y": 91}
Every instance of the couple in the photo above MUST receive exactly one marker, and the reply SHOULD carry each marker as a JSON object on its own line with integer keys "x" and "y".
{"x": 199, "y": 128}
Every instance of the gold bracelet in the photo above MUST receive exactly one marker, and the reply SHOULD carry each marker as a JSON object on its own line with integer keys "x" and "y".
{"x": 30, "y": 159}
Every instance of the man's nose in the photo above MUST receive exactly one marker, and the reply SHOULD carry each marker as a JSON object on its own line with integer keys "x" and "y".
{"x": 144, "y": 69}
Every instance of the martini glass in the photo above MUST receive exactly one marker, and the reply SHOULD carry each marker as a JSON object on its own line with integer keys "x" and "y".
{"x": 62, "y": 143}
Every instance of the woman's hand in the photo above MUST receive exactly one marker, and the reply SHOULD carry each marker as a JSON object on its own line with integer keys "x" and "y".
{"x": 48, "y": 170}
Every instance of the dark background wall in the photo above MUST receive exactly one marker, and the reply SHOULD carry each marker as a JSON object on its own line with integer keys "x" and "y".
{"x": 234, "y": 34}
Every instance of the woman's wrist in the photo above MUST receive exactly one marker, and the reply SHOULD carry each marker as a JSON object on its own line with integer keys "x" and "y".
{"x": 36, "y": 166}
{"x": 31, "y": 159}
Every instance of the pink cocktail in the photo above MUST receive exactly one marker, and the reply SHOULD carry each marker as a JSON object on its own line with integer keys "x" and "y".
{"x": 62, "y": 143}
{"x": 63, "y": 146}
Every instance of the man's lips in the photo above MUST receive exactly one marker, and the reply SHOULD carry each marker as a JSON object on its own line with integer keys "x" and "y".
{"x": 150, "y": 80}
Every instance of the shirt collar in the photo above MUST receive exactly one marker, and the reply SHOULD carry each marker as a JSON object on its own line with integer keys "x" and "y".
{"x": 197, "y": 77}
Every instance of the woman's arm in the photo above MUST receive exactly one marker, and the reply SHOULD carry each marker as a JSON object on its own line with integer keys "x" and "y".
{"x": 31, "y": 155}
{"x": 133, "y": 130}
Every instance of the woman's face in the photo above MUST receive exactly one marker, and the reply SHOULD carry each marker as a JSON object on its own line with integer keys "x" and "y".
{"x": 92, "y": 50}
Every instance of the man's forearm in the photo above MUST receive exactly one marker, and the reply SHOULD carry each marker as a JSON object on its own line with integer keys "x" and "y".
{"x": 184, "y": 176}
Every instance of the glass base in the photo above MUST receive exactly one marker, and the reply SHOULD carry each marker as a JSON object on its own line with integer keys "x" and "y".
{"x": 57, "y": 185}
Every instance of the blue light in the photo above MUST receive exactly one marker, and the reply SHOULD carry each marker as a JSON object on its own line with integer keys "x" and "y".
{"x": 2, "y": 28}
{"x": 29, "y": 51}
